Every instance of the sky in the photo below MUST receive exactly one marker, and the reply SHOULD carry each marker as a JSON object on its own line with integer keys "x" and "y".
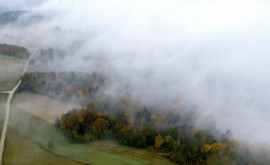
{"x": 210, "y": 54}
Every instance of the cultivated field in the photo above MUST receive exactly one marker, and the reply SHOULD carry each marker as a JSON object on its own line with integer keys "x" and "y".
{"x": 37, "y": 127}
{"x": 10, "y": 70}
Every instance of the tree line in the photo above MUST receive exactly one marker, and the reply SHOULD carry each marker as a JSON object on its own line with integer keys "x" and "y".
{"x": 15, "y": 51}
{"x": 183, "y": 144}
{"x": 63, "y": 85}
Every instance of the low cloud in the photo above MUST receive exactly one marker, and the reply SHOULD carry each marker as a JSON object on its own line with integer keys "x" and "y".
{"x": 211, "y": 55}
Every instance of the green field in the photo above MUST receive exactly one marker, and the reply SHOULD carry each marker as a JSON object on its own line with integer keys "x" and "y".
{"x": 148, "y": 155}
{"x": 42, "y": 132}
{"x": 3, "y": 99}
{"x": 21, "y": 150}
{"x": 10, "y": 70}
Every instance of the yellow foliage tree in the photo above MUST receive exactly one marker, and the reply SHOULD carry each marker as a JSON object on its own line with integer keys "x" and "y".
{"x": 81, "y": 115}
{"x": 206, "y": 148}
{"x": 99, "y": 127}
{"x": 159, "y": 141}
{"x": 97, "y": 115}
{"x": 215, "y": 147}
{"x": 218, "y": 147}
{"x": 169, "y": 139}
{"x": 176, "y": 145}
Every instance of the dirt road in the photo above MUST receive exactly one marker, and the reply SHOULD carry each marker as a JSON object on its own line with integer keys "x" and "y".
{"x": 10, "y": 96}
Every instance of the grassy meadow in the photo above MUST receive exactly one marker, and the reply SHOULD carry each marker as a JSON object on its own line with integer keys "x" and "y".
{"x": 41, "y": 131}
{"x": 41, "y": 106}
{"x": 10, "y": 70}
{"x": 3, "y": 99}
{"x": 21, "y": 150}
{"x": 148, "y": 156}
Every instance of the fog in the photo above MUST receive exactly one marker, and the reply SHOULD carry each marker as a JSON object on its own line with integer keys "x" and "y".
{"x": 212, "y": 55}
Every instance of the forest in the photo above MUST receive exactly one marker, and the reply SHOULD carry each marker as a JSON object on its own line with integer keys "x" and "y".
{"x": 15, "y": 51}
{"x": 168, "y": 130}
{"x": 63, "y": 85}
{"x": 142, "y": 128}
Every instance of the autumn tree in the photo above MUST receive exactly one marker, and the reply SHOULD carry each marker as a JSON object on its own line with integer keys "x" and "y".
{"x": 176, "y": 145}
{"x": 99, "y": 127}
{"x": 169, "y": 141}
{"x": 159, "y": 141}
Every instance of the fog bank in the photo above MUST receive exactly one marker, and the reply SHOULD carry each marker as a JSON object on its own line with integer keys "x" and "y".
{"x": 210, "y": 55}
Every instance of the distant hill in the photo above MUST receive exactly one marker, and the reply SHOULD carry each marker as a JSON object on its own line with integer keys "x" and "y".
{"x": 20, "y": 17}
{"x": 10, "y": 16}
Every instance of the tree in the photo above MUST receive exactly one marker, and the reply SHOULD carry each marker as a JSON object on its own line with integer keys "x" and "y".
{"x": 51, "y": 145}
{"x": 169, "y": 141}
{"x": 159, "y": 141}
{"x": 176, "y": 145}
{"x": 99, "y": 127}
{"x": 90, "y": 107}
{"x": 213, "y": 159}
{"x": 81, "y": 115}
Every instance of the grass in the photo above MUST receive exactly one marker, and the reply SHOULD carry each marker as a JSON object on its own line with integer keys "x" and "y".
{"x": 42, "y": 106}
{"x": 10, "y": 70}
{"x": 3, "y": 100}
{"x": 41, "y": 131}
{"x": 21, "y": 150}
{"x": 148, "y": 155}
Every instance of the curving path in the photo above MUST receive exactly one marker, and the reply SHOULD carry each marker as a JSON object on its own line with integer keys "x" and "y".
{"x": 10, "y": 96}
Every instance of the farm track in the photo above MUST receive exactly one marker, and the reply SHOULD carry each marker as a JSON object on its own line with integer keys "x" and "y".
{"x": 10, "y": 96}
